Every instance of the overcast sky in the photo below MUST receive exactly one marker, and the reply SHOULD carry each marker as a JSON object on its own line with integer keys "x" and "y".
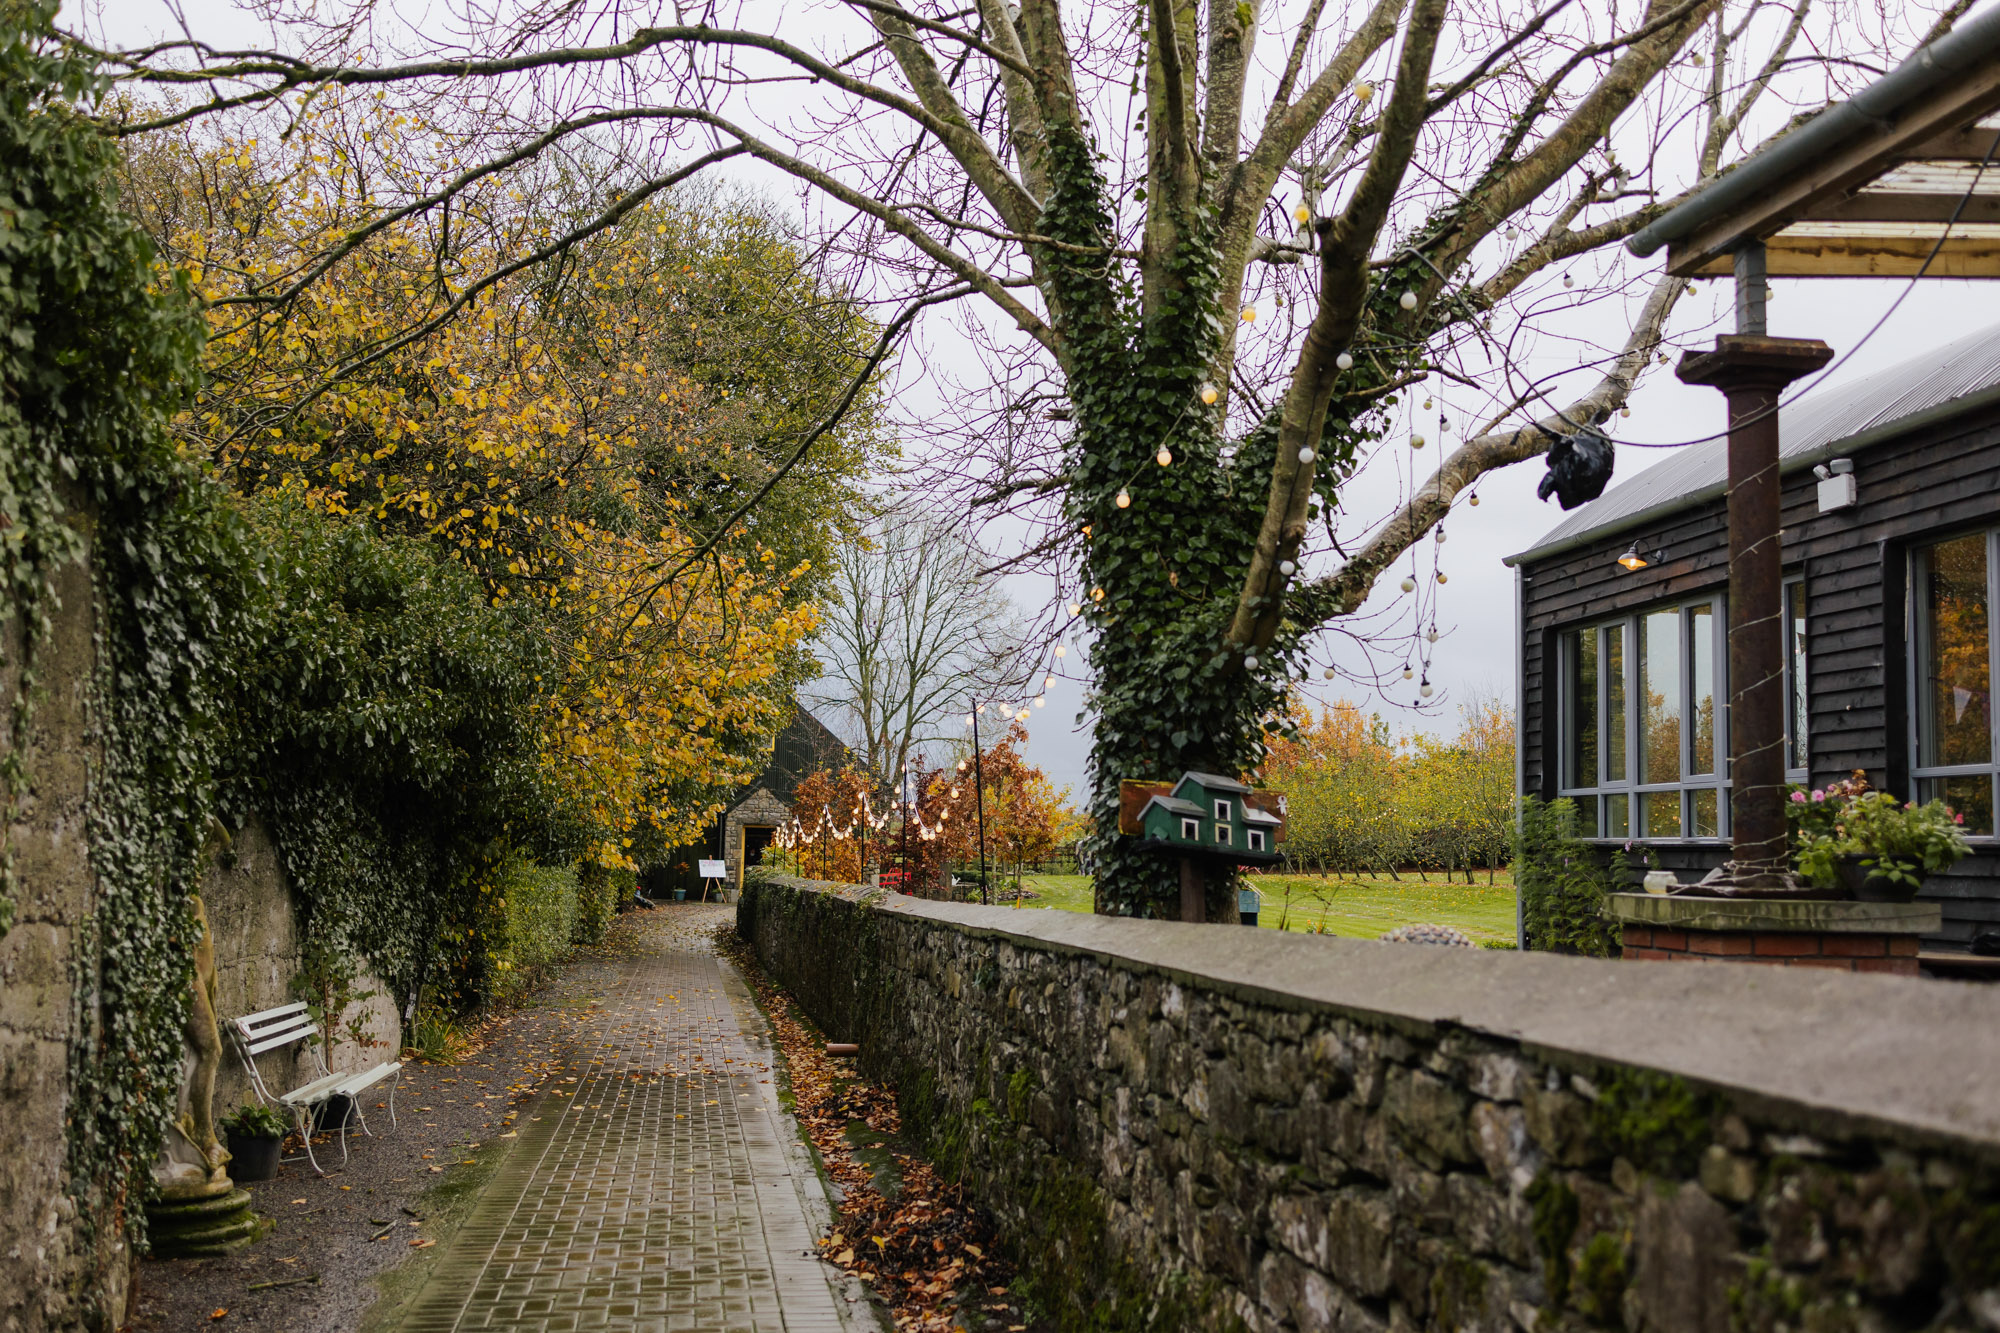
{"x": 1475, "y": 654}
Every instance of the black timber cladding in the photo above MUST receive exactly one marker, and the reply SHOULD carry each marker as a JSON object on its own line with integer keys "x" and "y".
{"x": 1939, "y": 478}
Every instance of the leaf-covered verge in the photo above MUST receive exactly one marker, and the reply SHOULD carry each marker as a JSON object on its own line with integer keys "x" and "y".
{"x": 917, "y": 1239}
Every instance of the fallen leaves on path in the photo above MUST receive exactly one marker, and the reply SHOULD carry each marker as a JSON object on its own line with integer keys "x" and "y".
{"x": 930, "y": 1253}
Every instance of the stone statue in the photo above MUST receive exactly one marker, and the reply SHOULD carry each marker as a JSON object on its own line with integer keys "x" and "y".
{"x": 193, "y": 1163}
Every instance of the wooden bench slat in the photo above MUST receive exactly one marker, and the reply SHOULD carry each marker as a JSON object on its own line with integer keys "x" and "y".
{"x": 316, "y": 1091}
{"x": 368, "y": 1078}
{"x": 259, "y": 1045}
{"x": 265, "y": 1017}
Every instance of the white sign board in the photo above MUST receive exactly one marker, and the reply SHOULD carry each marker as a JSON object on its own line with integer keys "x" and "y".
{"x": 714, "y": 869}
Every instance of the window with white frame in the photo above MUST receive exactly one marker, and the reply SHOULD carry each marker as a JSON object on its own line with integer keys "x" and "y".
{"x": 1643, "y": 749}
{"x": 1191, "y": 829}
{"x": 1222, "y": 833}
{"x": 1256, "y": 836}
{"x": 1222, "y": 808}
{"x": 1953, "y": 676}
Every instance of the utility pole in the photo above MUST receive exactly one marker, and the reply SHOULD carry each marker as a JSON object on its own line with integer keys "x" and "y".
{"x": 979, "y": 794}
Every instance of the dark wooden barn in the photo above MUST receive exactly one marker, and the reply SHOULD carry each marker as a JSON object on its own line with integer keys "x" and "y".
{"x": 754, "y": 811}
{"x": 1891, "y": 548}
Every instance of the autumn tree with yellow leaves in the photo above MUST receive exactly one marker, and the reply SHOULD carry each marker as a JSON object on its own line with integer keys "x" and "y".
{"x": 583, "y": 436}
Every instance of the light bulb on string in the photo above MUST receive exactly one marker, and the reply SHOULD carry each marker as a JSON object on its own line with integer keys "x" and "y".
{"x": 1513, "y": 233}
{"x": 1124, "y": 498}
{"x": 1250, "y": 662}
{"x": 1409, "y": 584}
{"x": 1408, "y": 300}
{"x": 1442, "y": 578}
{"x": 1363, "y": 92}
{"x": 1061, "y": 650}
{"x": 1432, "y": 635}
{"x": 1329, "y": 673}
{"x": 1209, "y": 394}
{"x": 1249, "y": 314}
{"x": 1416, "y": 441}
{"x": 1474, "y": 501}
{"x": 1344, "y": 361}
{"x": 1569, "y": 280}
{"x": 1424, "y": 689}
{"x": 1407, "y": 672}
{"x": 1286, "y": 567}
{"x": 1302, "y": 215}
{"x": 1164, "y": 456}
{"x": 1048, "y": 682}
{"x": 1427, "y": 404}
{"x": 1097, "y": 594}
{"x": 1440, "y": 534}
{"x": 1075, "y": 609}
{"x": 1041, "y": 701}
{"x": 1307, "y": 455}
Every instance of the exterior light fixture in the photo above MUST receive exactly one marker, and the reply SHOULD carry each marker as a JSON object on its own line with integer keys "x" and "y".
{"x": 1632, "y": 560}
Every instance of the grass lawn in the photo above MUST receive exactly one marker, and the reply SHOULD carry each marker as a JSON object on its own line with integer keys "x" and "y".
{"x": 1360, "y": 909}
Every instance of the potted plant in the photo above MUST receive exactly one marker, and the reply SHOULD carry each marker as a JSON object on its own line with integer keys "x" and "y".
{"x": 1877, "y": 848}
{"x": 255, "y": 1134}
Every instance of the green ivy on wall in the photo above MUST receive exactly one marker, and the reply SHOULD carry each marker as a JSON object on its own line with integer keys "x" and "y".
{"x": 1561, "y": 882}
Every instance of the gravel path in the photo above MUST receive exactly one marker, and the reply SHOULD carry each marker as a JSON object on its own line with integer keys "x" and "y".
{"x": 471, "y": 1141}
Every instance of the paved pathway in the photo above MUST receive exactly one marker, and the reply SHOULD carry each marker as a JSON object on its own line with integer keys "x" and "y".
{"x": 670, "y": 1191}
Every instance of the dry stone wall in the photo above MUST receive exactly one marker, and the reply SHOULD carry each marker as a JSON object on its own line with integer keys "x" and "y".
{"x": 1212, "y": 1127}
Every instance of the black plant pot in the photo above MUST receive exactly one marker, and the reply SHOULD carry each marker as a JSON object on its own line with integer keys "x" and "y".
{"x": 331, "y": 1116}
{"x": 253, "y": 1158}
{"x": 1869, "y": 887}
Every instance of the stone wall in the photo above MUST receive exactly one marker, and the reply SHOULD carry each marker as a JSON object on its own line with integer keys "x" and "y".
{"x": 1213, "y": 1127}
{"x": 44, "y": 1274}
{"x": 253, "y": 918}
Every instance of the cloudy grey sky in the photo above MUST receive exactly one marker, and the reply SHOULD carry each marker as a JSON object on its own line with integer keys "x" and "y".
{"x": 1475, "y": 654}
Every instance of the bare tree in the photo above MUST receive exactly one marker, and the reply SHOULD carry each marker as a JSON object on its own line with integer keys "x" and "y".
{"x": 916, "y": 636}
{"x": 1132, "y": 187}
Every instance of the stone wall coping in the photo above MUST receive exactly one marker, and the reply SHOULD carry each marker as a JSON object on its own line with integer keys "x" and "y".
{"x": 1890, "y": 1052}
{"x": 1844, "y": 916}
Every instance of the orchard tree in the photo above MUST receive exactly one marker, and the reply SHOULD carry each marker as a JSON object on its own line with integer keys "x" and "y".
{"x": 1121, "y": 182}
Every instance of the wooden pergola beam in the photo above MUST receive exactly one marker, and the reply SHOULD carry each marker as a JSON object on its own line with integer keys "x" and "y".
{"x": 1950, "y": 108}
{"x": 1863, "y": 256}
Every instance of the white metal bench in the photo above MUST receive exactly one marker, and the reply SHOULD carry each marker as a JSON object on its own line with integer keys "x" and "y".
{"x": 269, "y": 1029}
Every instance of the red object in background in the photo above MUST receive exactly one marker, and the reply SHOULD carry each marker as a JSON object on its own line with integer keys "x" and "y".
{"x": 893, "y": 880}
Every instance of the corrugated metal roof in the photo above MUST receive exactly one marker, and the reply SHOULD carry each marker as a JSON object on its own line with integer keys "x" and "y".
{"x": 1820, "y": 422}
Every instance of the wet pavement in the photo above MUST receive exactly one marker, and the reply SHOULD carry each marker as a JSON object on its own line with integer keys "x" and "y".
{"x": 664, "y": 1188}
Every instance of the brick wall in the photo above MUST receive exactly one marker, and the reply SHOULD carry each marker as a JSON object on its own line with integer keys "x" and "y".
{"x": 1837, "y": 951}
{"x": 1220, "y": 1128}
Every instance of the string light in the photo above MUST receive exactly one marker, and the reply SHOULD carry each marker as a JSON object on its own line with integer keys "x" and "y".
{"x": 1307, "y": 455}
{"x": 1249, "y": 314}
{"x": 1427, "y": 404}
{"x": 1474, "y": 501}
{"x": 1442, "y": 578}
{"x": 1329, "y": 673}
{"x": 1124, "y": 498}
{"x": 1569, "y": 280}
{"x": 1250, "y": 662}
{"x": 1408, "y": 300}
{"x": 1416, "y": 441}
{"x": 1060, "y": 649}
{"x": 1407, "y": 672}
{"x": 1409, "y": 584}
{"x": 1424, "y": 689}
{"x": 1286, "y": 567}
{"x": 1164, "y": 457}
{"x": 1363, "y": 92}
{"x": 1303, "y": 214}
{"x": 1097, "y": 594}
{"x": 1041, "y": 701}
{"x": 1075, "y": 609}
{"x": 1433, "y": 634}
{"x": 1049, "y": 682}
{"x": 1440, "y": 534}
{"x": 1344, "y": 361}
{"x": 1513, "y": 233}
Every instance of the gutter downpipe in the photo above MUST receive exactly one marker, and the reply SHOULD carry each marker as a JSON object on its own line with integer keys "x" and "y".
{"x": 1972, "y": 43}
{"x": 1520, "y": 742}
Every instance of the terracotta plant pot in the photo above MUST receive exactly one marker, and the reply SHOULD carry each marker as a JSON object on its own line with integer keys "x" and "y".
{"x": 1869, "y": 887}
{"x": 253, "y": 1158}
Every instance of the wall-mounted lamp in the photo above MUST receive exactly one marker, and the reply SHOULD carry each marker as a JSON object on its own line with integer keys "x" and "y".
{"x": 1633, "y": 560}
{"x": 1836, "y": 484}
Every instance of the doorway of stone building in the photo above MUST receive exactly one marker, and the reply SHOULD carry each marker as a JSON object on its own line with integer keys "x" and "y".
{"x": 756, "y": 837}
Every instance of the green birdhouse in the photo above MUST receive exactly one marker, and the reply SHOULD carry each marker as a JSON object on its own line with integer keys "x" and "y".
{"x": 1205, "y": 815}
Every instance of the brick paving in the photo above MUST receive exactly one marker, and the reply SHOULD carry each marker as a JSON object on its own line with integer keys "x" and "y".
{"x": 670, "y": 1191}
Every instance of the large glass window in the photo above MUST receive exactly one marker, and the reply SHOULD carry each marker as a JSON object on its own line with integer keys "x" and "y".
{"x": 1645, "y": 686}
{"x": 1796, "y": 760}
{"x": 1954, "y": 650}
